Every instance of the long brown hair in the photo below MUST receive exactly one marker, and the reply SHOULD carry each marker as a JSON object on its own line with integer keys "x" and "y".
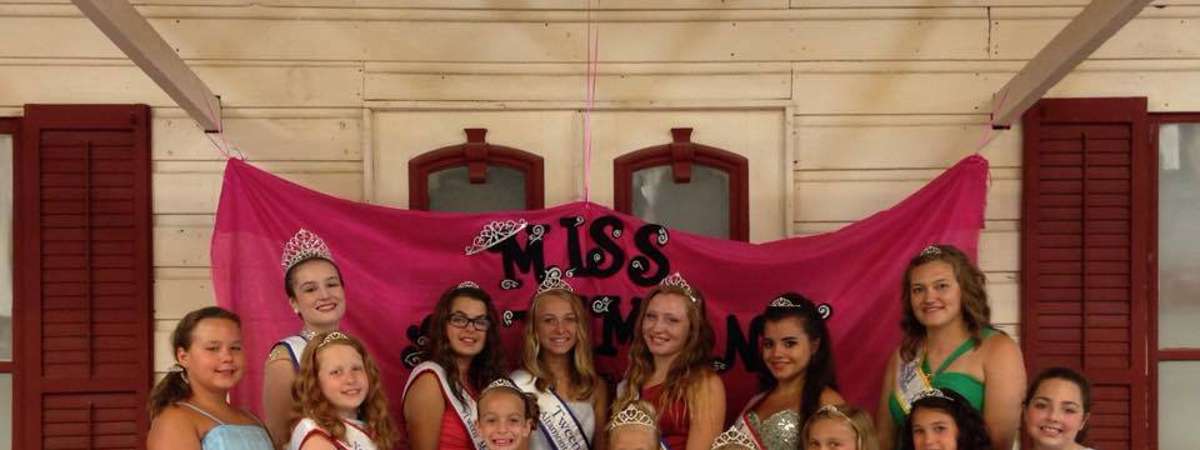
{"x": 582, "y": 369}
{"x": 309, "y": 401}
{"x": 687, "y": 370}
{"x": 174, "y": 387}
{"x": 972, "y": 283}
{"x": 485, "y": 367}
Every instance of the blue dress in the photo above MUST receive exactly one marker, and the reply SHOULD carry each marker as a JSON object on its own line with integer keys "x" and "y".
{"x": 231, "y": 436}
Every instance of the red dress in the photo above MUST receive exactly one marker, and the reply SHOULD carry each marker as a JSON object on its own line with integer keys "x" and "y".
{"x": 673, "y": 421}
{"x": 453, "y": 433}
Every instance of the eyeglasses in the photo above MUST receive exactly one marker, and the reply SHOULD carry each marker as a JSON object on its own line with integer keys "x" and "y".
{"x": 481, "y": 323}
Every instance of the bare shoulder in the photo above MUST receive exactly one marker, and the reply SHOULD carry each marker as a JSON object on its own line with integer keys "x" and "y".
{"x": 317, "y": 441}
{"x": 174, "y": 425}
{"x": 1000, "y": 346}
{"x": 425, "y": 392}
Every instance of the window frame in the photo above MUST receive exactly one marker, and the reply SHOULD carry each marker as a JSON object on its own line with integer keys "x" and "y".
{"x": 477, "y": 155}
{"x": 1160, "y": 355}
{"x": 680, "y": 155}
{"x": 12, "y": 126}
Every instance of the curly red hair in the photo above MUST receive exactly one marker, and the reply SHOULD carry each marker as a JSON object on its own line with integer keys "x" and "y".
{"x": 308, "y": 400}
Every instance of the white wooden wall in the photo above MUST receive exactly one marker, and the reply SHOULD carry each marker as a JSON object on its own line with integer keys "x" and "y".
{"x": 872, "y": 98}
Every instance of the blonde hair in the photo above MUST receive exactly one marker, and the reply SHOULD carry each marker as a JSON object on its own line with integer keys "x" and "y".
{"x": 529, "y": 405}
{"x": 687, "y": 371}
{"x": 856, "y": 418}
{"x": 309, "y": 401}
{"x": 583, "y": 369}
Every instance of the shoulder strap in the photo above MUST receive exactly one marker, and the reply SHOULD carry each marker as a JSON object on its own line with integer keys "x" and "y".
{"x": 202, "y": 412}
{"x": 963, "y": 348}
{"x": 295, "y": 345}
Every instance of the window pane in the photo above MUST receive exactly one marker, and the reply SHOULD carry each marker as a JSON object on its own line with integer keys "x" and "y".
{"x": 6, "y": 411}
{"x": 1177, "y": 394}
{"x": 6, "y": 236}
{"x": 1178, "y": 226}
{"x": 700, "y": 206}
{"x": 451, "y": 190}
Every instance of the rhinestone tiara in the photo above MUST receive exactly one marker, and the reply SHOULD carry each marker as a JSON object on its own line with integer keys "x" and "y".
{"x": 494, "y": 233}
{"x": 303, "y": 246}
{"x": 733, "y": 438}
{"x": 633, "y": 415}
{"x": 333, "y": 336}
{"x": 676, "y": 280}
{"x": 932, "y": 250}
{"x": 467, "y": 284}
{"x": 502, "y": 382}
{"x": 782, "y": 302}
{"x": 931, "y": 393}
{"x": 554, "y": 281}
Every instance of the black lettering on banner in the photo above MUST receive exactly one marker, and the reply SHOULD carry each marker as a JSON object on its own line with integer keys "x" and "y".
{"x": 574, "y": 246}
{"x": 532, "y": 257}
{"x": 605, "y": 240}
{"x": 648, "y": 239}
{"x": 615, "y": 330}
{"x": 739, "y": 345}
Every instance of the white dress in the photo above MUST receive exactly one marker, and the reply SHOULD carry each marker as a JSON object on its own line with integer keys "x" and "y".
{"x": 356, "y": 437}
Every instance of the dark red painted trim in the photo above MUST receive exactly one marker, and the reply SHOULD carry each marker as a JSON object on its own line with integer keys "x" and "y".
{"x": 477, "y": 154}
{"x": 680, "y": 154}
{"x": 1178, "y": 354}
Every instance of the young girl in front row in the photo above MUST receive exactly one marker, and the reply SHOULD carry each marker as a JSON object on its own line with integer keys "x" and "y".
{"x": 942, "y": 419}
{"x": 506, "y": 416}
{"x": 841, "y": 427}
{"x": 338, "y": 396}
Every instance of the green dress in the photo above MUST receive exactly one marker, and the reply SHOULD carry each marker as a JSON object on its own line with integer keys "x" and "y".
{"x": 968, "y": 386}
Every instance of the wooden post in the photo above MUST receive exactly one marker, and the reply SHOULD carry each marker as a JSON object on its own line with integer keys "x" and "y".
{"x": 1083, "y": 35}
{"x": 118, "y": 20}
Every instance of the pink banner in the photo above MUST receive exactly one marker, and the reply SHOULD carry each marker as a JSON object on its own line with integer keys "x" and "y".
{"x": 395, "y": 263}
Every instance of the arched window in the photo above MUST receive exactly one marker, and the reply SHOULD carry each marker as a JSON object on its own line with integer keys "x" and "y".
{"x": 684, "y": 185}
{"x": 475, "y": 177}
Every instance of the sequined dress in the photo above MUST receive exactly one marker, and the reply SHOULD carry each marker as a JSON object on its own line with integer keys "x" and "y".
{"x": 780, "y": 431}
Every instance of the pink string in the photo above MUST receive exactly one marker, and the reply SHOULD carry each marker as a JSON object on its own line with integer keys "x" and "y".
{"x": 593, "y": 56}
{"x": 220, "y": 142}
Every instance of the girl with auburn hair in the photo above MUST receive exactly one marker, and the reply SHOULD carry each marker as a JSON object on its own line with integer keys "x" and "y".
{"x": 558, "y": 369}
{"x": 672, "y": 341}
{"x": 947, "y": 325}
{"x": 464, "y": 356}
{"x": 1057, "y": 408}
{"x": 942, "y": 419}
{"x": 796, "y": 373}
{"x": 317, "y": 295}
{"x": 188, "y": 408}
{"x": 338, "y": 398}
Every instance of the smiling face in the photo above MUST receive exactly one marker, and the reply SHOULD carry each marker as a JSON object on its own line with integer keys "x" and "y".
{"x": 666, "y": 325}
{"x": 787, "y": 348}
{"x": 556, "y": 325}
{"x": 935, "y": 294}
{"x": 502, "y": 420}
{"x": 1055, "y": 414}
{"x": 831, "y": 434}
{"x": 342, "y": 376}
{"x": 319, "y": 296}
{"x": 215, "y": 359}
{"x": 467, "y": 341}
{"x": 934, "y": 429}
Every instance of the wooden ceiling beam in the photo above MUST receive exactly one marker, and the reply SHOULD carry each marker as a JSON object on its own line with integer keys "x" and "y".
{"x": 118, "y": 20}
{"x": 1098, "y": 21}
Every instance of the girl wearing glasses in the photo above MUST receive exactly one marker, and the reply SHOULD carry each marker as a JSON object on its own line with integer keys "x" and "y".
{"x": 558, "y": 369}
{"x": 464, "y": 357}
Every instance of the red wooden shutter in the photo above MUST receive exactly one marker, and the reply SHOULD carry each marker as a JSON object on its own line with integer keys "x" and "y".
{"x": 1084, "y": 283}
{"x": 85, "y": 276}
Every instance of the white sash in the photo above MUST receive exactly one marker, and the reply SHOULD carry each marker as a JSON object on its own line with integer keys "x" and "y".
{"x": 743, "y": 422}
{"x": 464, "y": 409}
{"x": 560, "y": 426}
{"x": 621, "y": 387}
{"x": 910, "y": 381}
{"x": 356, "y": 438}
{"x": 295, "y": 345}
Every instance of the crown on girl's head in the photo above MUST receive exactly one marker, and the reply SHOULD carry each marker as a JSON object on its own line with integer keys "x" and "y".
{"x": 932, "y": 250}
{"x": 502, "y": 382}
{"x": 676, "y": 280}
{"x": 632, "y": 415}
{"x": 467, "y": 284}
{"x": 732, "y": 438}
{"x": 302, "y": 246}
{"x": 931, "y": 393}
{"x": 333, "y": 337}
{"x": 494, "y": 233}
{"x": 554, "y": 281}
{"x": 783, "y": 302}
